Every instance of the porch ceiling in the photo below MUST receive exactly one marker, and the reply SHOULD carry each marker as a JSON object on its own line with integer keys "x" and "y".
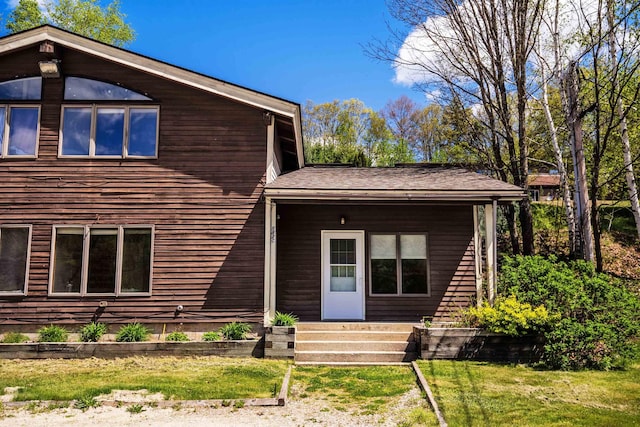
{"x": 412, "y": 183}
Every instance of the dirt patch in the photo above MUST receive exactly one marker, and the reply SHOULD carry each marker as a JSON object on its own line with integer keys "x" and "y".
{"x": 298, "y": 412}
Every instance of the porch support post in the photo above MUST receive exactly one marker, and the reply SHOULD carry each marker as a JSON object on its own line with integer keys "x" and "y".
{"x": 477, "y": 249}
{"x": 269, "y": 260}
{"x": 490, "y": 217}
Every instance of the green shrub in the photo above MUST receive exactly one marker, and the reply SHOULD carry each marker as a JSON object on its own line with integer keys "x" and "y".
{"x": 177, "y": 336}
{"x": 235, "y": 330}
{"x": 211, "y": 336}
{"x": 132, "y": 332}
{"x": 508, "y": 316}
{"x": 92, "y": 332}
{"x": 14, "y": 338}
{"x": 598, "y": 319}
{"x": 284, "y": 319}
{"x": 52, "y": 333}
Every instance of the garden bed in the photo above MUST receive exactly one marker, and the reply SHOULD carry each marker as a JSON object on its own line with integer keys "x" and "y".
{"x": 71, "y": 350}
{"x": 477, "y": 344}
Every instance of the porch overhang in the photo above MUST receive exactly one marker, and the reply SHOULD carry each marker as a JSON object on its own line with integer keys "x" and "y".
{"x": 398, "y": 186}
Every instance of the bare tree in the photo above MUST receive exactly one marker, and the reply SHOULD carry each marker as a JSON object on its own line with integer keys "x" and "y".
{"x": 479, "y": 51}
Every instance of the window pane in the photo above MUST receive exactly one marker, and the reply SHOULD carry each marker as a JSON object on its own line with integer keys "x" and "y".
{"x": 22, "y": 89}
{"x": 14, "y": 243}
{"x": 76, "y": 131}
{"x": 343, "y": 251}
{"x": 142, "y": 132}
{"x": 136, "y": 260}
{"x": 383, "y": 246}
{"x": 67, "y": 268}
{"x": 414, "y": 276}
{"x": 23, "y": 131}
{"x": 413, "y": 246}
{"x": 343, "y": 279}
{"x": 384, "y": 277}
{"x": 109, "y": 131}
{"x": 77, "y": 88}
{"x": 101, "y": 277}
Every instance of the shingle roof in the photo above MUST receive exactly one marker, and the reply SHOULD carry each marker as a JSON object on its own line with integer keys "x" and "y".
{"x": 416, "y": 182}
{"x": 544, "y": 179}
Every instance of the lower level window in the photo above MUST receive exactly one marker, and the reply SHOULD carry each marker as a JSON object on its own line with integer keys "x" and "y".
{"x": 399, "y": 264}
{"x": 14, "y": 258}
{"x": 102, "y": 260}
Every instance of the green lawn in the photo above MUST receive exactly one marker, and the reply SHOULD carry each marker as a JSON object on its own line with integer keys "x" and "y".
{"x": 481, "y": 394}
{"x": 188, "y": 378}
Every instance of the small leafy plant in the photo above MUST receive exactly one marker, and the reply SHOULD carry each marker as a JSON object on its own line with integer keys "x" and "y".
{"x": 92, "y": 332}
{"x": 132, "y": 332}
{"x": 508, "y": 316}
{"x": 284, "y": 319}
{"x": 235, "y": 330}
{"x": 53, "y": 333}
{"x": 85, "y": 402}
{"x": 136, "y": 408}
{"x": 177, "y": 336}
{"x": 211, "y": 336}
{"x": 14, "y": 338}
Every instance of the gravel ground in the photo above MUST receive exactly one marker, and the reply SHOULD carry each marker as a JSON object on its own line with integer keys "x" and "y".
{"x": 297, "y": 412}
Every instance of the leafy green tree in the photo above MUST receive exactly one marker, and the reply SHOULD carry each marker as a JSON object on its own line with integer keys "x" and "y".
{"x": 26, "y": 15}
{"x": 85, "y": 17}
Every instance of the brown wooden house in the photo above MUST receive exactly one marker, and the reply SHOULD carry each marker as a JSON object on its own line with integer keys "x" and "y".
{"x": 132, "y": 189}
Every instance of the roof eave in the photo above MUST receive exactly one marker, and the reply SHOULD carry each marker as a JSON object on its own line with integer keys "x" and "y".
{"x": 398, "y": 195}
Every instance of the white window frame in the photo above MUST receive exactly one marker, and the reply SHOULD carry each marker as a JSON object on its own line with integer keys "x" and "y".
{"x": 25, "y": 286}
{"x": 4, "y": 137}
{"x": 399, "y": 292}
{"x": 92, "y": 137}
{"x": 86, "y": 229}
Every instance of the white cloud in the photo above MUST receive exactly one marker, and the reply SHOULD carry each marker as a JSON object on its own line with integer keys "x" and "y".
{"x": 430, "y": 47}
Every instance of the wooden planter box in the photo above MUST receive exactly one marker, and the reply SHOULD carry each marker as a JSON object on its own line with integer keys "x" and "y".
{"x": 72, "y": 350}
{"x": 477, "y": 344}
{"x": 280, "y": 342}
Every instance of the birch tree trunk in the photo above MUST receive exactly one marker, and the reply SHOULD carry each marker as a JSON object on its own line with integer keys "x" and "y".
{"x": 624, "y": 132}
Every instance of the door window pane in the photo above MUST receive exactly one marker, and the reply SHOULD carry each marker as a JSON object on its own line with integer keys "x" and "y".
{"x": 343, "y": 251}
{"x": 136, "y": 260}
{"x": 109, "y": 131}
{"x": 343, "y": 278}
{"x": 143, "y": 124}
{"x": 76, "y": 131}
{"x": 67, "y": 272}
{"x": 103, "y": 246}
{"x": 14, "y": 244}
{"x": 23, "y": 131}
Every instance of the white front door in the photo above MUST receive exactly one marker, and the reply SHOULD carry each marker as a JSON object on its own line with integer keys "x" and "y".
{"x": 343, "y": 275}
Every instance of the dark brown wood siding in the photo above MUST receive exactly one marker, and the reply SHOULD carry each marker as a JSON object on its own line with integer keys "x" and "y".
{"x": 202, "y": 195}
{"x": 451, "y": 258}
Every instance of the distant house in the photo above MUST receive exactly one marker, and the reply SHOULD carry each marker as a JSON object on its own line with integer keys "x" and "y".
{"x": 544, "y": 186}
{"x": 137, "y": 190}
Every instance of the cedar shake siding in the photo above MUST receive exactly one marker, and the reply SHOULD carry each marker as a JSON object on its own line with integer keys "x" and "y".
{"x": 202, "y": 195}
{"x": 450, "y": 257}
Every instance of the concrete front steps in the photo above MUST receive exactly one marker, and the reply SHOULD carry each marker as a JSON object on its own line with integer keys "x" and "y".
{"x": 357, "y": 343}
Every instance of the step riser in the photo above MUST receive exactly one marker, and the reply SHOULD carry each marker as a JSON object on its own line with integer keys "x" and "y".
{"x": 355, "y": 326}
{"x": 355, "y": 346}
{"x": 355, "y": 357}
{"x": 352, "y": 336}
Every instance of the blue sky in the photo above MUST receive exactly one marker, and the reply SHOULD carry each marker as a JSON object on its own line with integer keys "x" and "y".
{"x": 298, "y": 50}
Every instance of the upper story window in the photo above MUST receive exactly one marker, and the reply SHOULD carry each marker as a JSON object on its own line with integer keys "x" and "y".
{"x": 19, "y": 121}
{"x": 26, "y": 89}
{"x": 112, "y": 127}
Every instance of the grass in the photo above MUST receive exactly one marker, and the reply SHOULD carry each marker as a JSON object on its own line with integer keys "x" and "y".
{"x": 361, "y": 391}
{"x": 480, "y": 394}
{"x": 184, "y": 378}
